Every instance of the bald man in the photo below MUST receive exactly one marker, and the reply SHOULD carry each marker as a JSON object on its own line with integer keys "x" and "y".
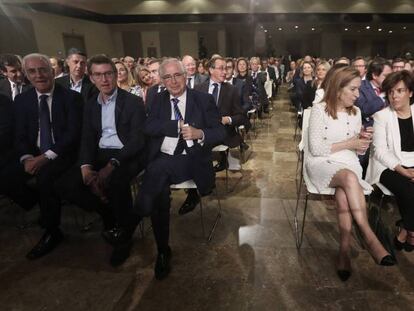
{"x": 193, "y": 77}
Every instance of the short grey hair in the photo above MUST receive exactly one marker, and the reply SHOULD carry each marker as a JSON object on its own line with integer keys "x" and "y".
{"x": 42, "y": 57}
{"x": 168, "y": 61}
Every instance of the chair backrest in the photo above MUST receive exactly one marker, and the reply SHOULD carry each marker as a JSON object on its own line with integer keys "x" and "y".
{"x": 305, "y": 125}
{"x": 384, "y": 189}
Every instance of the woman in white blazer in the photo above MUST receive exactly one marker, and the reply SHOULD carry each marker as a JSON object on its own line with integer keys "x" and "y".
{"x": 392, "y": 160}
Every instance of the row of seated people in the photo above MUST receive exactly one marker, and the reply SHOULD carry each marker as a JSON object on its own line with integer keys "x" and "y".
{"x": 84, "y": 142}
{"x": 352, "y": 125}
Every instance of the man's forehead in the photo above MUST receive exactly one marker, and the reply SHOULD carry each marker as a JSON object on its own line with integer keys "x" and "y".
{"x": 100, "y": 67}
{"x": 172, "y": 68}
{"x": 77, "y": 57}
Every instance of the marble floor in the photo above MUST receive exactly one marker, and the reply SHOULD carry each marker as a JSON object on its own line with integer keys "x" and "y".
{"x": 251, "y": 264}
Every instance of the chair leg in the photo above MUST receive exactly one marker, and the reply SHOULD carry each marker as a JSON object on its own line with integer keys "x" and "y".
{"x": 299, "y": 233}
{"x": 300, "y": 178}
{"x": 202, "y": 217}
{"x": 227, "y": 171}
{"x": 377, "y": 221}
{"x": 218, "y": 216}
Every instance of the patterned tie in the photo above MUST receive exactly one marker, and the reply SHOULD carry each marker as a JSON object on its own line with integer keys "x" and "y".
{"x": 215, "y": 92}
{"x": 189, "y": 83}
{"x": 178, "y": 116}
{"x": 46, "y": 141}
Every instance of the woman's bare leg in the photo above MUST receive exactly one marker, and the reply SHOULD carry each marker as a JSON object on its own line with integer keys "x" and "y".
{"x": 345, "y": 229}
{"x": 348, "y": 181}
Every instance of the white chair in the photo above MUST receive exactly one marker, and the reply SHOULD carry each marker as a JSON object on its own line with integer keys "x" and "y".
{"x": 299, "y": 164}
{"x": 310, "y": 187}
{"x": 190, "y": 184}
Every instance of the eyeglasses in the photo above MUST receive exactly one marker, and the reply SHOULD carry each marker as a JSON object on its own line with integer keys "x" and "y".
{"x": 400, "y": 91}
{"x": 40, "y": 70}
{"x": 220, "y": 68}
{"x": 100, "y": 75}
{"x": 175, "y": 76}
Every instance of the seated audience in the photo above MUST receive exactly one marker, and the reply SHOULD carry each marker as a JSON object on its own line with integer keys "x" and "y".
{"x": 144, "y": 80}
{"x": 57, "y": 65}
{"x": 47, "y": 135}
{"x": 360, "y": 64}
{"x": 125, "y": 80}
{"x": 183, "y": 126}
{"x": 77, "y": 80}
{"x": 305, "y": 77}
{"x": 193, "y": 77}
{"x": 310, "y": 89}
{"x": 398, "y": 64}
{"x": 392, "y": 157}
{"x": 320, "y": 92}
{"x": 13, "y": 84}
{"x": 111, "y": 152}
{"x": 258, "y": 79}
{"x": 335, "y": 138}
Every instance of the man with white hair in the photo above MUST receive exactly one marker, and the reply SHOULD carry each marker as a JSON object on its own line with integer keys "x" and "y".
{"x": 47, "y": 136}
{"x": 193, "y": 77}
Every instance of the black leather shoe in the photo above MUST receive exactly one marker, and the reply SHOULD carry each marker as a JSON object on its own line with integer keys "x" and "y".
{"x": 46, "y": 244}
{"x": 189, "y": 204}
{"x": 244, "y": 146}
{"x": 388, "y": 261}
{"x": 120, "y": 253}
{"x": 343, "y": 275}
{"x": 117, "y": 236}
{"x": 162, "y": 265}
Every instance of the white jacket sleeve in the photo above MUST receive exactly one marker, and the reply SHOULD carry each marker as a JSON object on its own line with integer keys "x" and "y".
{"x": 382, "y": 151}
{"x": 318, "y": 143}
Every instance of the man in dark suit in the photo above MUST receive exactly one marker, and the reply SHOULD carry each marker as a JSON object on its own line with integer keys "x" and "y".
{"x": 371, "y": 98}
{"x": 157, "y": 86}
{"x": 47, "y": 135}
{"x": 227, "y": 100}
{"x": 242, "y": 89}
{"x": 110, "y": 157}
{"x": 14, "y": 83}
{"x": 183, "y": 126}
{"x": 270, "y": 70}
{"x": 258, "y": 91}
{"x": 77, "y": 80}
{"x": 193, "y": 77}
{"x": 6, "y": 134}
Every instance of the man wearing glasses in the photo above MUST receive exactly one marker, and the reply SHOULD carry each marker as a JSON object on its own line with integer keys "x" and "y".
{"x": 110, "y": 157}
{"x": 47, "y": 134}
{"x": 183, "y": 126}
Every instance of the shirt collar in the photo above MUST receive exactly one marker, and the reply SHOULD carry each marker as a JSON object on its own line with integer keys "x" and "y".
{"x": 181, "y": 98}
{"x": 212, "y": 82}
{"x": 110, "y": 100}
{"x": 75, "y": 84}
{"x": 50, "y": 94}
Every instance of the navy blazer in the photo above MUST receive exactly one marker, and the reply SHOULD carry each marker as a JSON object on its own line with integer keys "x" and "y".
{"x": 201, "y": 113}
{"x": 129, "y": 121}
{"x": 228, "y": 105}
{"x": 66, "y": 121}
{"x": 242, "y": 88}
{"x": 369, "y": 103}
{"x": 6, "y": 129}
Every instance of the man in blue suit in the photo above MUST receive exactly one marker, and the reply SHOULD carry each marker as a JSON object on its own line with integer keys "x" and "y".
{"x": 371, "y": 98}
{"x": 47, "y": 135}
{"x": 183, "y": 126}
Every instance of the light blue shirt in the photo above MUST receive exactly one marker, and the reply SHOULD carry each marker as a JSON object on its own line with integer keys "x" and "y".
{"x": 77, "y": 87}
{"x": 109, "y": 137}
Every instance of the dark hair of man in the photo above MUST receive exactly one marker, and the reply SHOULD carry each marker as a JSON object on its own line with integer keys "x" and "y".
{"x": 99, "y": 60}
{"x": 230, "y": 60}
{"x": 153, "y": 61}
{"x": 399, "y": 60}
{"x": 10, "y": 60}
{"x": 394, "y": 78}
{"x": 376, "y": 67}
{"x": 212, "y": 61}
{"x": 359, "y": 58}
{"x": 75, "y": 51}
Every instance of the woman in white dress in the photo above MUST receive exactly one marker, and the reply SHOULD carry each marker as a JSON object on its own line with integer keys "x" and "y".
{"x": 335, "y": 138}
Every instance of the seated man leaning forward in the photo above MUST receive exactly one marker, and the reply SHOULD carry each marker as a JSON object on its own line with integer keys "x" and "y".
{"x": 111, "y": 148}
{"x": 183, "y": 126}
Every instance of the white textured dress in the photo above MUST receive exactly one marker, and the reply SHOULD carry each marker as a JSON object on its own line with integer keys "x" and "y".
{"x": 321, "y": 164}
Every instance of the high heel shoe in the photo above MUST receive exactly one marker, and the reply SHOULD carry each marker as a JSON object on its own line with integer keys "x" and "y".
{"x": 388, "y": 261}
{"x": 343, "y": 275}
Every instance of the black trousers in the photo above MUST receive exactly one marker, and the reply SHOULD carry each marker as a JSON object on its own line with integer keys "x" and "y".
{"x": 26, "y": 189}
{"x": 119, "y": 209}
{"x": 154, "y": 195}
{"x": 403, "y": 190}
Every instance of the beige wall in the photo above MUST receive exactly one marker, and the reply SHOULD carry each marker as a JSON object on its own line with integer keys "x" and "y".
{"x": 188, "y": 43}
{"x": 48, "y": 30}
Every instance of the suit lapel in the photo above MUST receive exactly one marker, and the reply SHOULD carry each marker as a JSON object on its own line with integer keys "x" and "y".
{"x": 119, "y": 106}
{"x": 166, "y": 110}
{"x": 189, "y": 107}
{"x": 396, "y": 133}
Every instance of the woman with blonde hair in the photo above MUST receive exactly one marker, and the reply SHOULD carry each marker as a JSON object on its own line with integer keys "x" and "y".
{"x": 310, "y": 89}
{"x": 144, "y": 80}
{"x": 125, "y": 80}
{"x": 335, "y": 139}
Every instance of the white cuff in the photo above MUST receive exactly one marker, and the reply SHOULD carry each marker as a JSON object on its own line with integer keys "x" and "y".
{"x": 25, "y": 156}
{"x": 50, "y": 155}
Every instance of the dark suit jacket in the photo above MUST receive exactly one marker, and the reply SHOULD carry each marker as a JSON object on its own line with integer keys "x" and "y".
{"x": 5, "y": 88}
{"x": 201, "y": 113}
{"x": 261, "y": 79}
{"x": 198, "y": 79}
{"x": 6, "y": 129}
{"x": 129, "y": 121}
{"x": 369, "y": 102}
{"x": 228, "y": 105}
{"x": 272, "y": 73}
{"x": 151, "y": 93}
{"x": 88, "y": 88}
{"x": 243, "y": 91}
{"x": 66, "y": 122}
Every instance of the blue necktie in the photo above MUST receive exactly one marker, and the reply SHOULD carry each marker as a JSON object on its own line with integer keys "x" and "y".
{"x": 46, "y": 141}
{"x": 215, "y": 92}
{"x": 178, "y": 116}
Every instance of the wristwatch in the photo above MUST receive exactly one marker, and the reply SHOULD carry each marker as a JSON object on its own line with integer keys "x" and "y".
{"x": 114, "y": 162}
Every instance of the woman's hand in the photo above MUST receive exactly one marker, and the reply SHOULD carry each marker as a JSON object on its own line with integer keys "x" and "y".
{"x": 406, "y": 172}
{"x": 360, "y": 145}
{"x": 366, "y": 133}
